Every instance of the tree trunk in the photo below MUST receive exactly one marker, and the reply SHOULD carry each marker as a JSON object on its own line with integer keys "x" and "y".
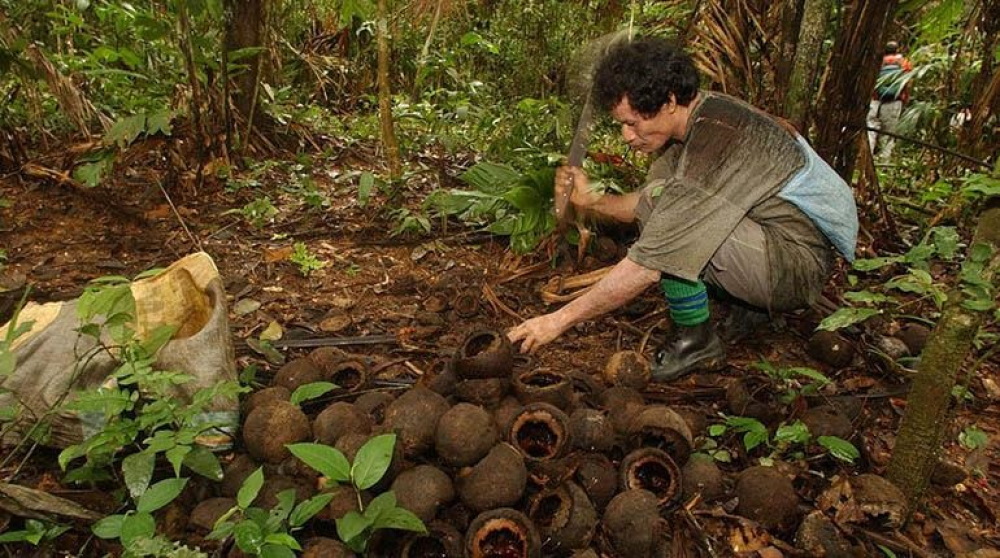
{"x": 802, "y": 83}
{"x": 849, "y": 84}
{"x": 923, "y": 428}
{"x": 986, "y": 85}
{"x": 246, "y": 27}
{"x": 385, "y": 93}
{"x": 791, "y": 19}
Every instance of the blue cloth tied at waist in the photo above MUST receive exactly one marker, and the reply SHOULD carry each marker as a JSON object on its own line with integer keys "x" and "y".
{"x": 819, "y": 192}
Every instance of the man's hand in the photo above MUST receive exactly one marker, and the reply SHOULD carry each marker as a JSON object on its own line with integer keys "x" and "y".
{"x": 536, "y": 332}
{"x": 573, "y": 181}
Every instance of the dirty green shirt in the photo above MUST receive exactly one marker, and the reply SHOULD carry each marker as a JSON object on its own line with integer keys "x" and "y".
{"x": 731, "y": 165}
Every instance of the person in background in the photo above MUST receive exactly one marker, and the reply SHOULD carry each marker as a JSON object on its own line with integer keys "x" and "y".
{"x": 891, "y": 94}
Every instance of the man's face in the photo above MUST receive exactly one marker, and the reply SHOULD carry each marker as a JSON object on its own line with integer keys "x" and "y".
{"x": 646, "y": 135}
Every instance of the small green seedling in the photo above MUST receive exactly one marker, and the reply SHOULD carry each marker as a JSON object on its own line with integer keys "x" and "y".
{"x": 372, "y": 461}
{"x": 306, "y": 260}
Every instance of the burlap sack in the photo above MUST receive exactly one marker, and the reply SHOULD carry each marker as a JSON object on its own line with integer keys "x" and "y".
{"x": 50, "y": 370}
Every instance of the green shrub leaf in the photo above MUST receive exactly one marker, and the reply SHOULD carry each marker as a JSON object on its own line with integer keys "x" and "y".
{"x": 372, "y": 461}
{"x": 138, "y": 472}
{"x": 845, "y": 317}
{"x": 839, "y": 448}
{"x": 159, "y": 495}
{"x": 109, "y": 528}
{"x": 306, "y": 510}
{"x": 330, "y": 462}
{"x": 311, "y": 391}
{"x": 251, "y": 486}
{"x": 138, "y": 525}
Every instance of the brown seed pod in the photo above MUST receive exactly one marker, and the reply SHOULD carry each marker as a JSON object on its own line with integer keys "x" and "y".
{"x": 540, "y": 432}
{"x": 268, "y": 429}
{"x": 661, "y": 427}
{"x": 502, "y": 533}
{"x": 338, "y": 419}
{"x": 345, "y": 500}
{"x": 564, "y": 516}
{"x": 619, "y": 396}
{"x": 498, "y": 480}
{"x": 653, "y": 470}
{"x": 485, "y": 353}
{"x": 915, "y": 336}
{"x": 505, "y": 412}
{"x": 485, "y": 393}
{"x": 207, "y": 512}
{"x": 297, "y": 372}
{"x": 323, "y": 547}
{"x": 440, "y": 541}
{"x": 587, "y": 388}
{"x": 440, "y": 377}
{"x": 591, "y": 430}
{"x": 237, "y": 471}
{"x": 374, "y": 404}
{"x": 818, "y": 536}
{"x": 598, "y": 478}
{"x": 275, "y": 485}
{"x": 265, "y": 396}
{"x": 544, "y": 386}
{"x": 423, "y": 490}
{"x": 827, "y": 420}
{"x": 622, "y": 417}
{"x": 627, "y": 368}
{"x": 767, "y": 497}
{"x": 326, "y": 358}
{"x": 749, "y": 398}
{"x": 631, "y": 523}
{"x": 350, "y": 374}
{"x": 830, "y": 348}
{"x": 466, "y": 305}
{"x": 700, "y": 475}
{"x": 414, "y": 417}
{"x": 465, "y": 434}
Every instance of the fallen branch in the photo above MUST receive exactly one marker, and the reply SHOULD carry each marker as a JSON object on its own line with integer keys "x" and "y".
{"x": 35, "y": 504}
{"x": 334, "y": 341}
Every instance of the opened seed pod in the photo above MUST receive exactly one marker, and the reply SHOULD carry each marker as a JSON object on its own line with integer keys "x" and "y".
{"x": 587, "y": 388}
{"x": 819, "y": 536}
{"x": 485, "y": 354}
{"x": 540, "y": 432}
{"x": 498, "y": 480}
{"x": 631, "y": 523}
{"x": 350, "y": 374}
{"x": 465, "y": 434}
{"x": 414, "y": 417}
{"x": 591, "y": 430}
{"x": 297, "y": 372}
{"x": 338, "y": 419}
{"x": 502, "y": 533}
{"x": 627, "y": 368}
{"x": 544, "y": 386}
{"x": 653, "y": 470}
{"x": 466, "y": 305}
{"x": 269, "y": 428}
{"x": 564, "y": 516}
{"x": 440, "y": 541}
{"x": 598, "y": 477}
{"x": 485, "y": 393}
{"x": 658, "y": 426}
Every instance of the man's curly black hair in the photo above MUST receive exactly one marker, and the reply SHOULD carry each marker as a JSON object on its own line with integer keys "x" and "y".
{"x": 647, "y": 71}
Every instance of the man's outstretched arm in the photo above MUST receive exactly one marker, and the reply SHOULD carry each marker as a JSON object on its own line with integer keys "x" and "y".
{"x": 623, "y": 283}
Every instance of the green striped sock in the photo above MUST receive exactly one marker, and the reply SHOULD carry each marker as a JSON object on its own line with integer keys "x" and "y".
{"x": 688, "y": 301}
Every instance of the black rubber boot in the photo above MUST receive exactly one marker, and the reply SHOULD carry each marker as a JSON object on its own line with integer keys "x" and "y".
{"x": 742, "y": 322}
{"x": 694, "y": 349}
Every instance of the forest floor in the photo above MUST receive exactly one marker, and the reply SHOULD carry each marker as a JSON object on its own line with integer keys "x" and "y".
{"x": 57, "y": 239}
